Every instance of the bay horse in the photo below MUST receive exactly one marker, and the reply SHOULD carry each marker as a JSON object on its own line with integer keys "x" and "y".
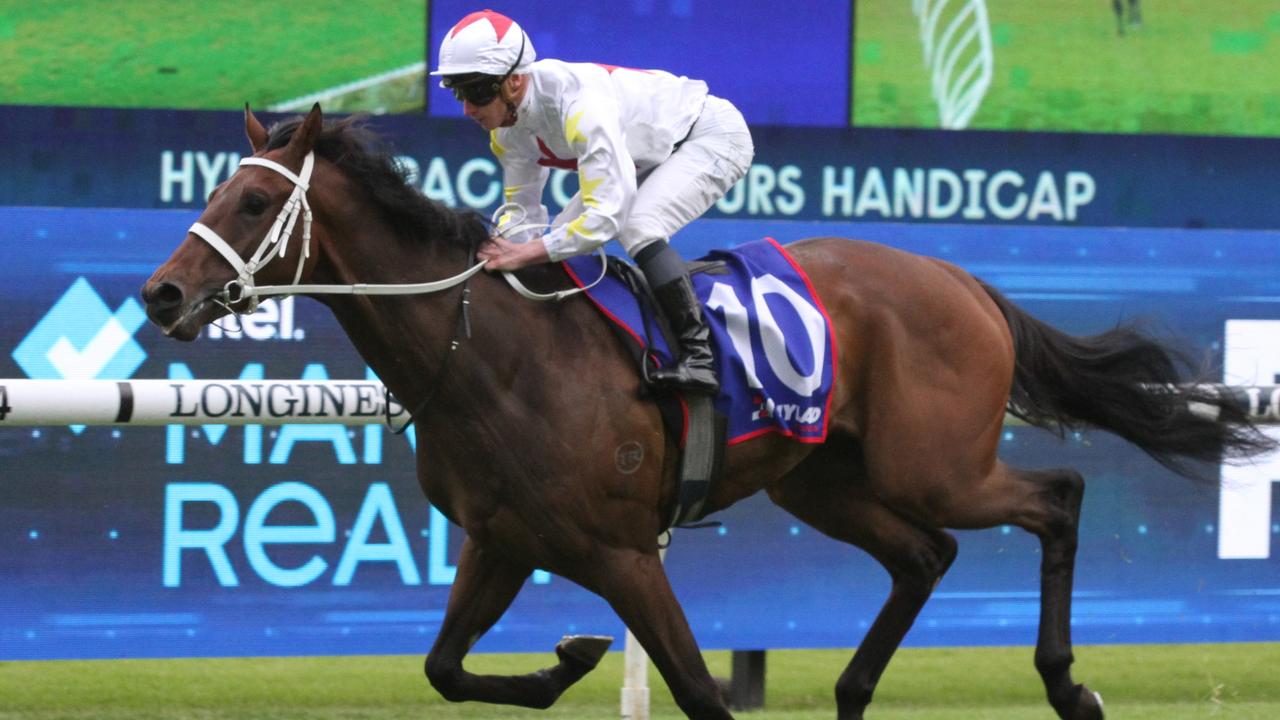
{"x": 519, "y": 418}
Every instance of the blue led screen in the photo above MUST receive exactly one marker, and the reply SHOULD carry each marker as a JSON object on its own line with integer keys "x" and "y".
{"x": 137, "y": 542}
{"x": 76, "y": 157}
{"x": 780, "y": 63}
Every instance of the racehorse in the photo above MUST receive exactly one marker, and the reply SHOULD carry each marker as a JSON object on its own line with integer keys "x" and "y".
{"x": 520, "y": 408}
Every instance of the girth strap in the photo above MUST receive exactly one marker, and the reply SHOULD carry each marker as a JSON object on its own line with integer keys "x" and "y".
{"x": 702, "y": 461}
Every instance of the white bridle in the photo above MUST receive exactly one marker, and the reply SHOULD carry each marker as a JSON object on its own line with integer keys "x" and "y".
{"x": 242, "y": 288}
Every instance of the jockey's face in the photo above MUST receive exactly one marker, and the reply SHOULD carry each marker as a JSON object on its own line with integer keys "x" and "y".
{"x": 496, "y": 112}
{"x": 490, "y": 115}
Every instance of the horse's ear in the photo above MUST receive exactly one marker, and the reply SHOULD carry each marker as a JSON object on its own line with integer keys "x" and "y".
{"x": 257, "y": 134}
{"x": 304, "y": 138}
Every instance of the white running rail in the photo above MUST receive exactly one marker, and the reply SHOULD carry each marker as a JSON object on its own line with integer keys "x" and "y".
{"x": 305, "y": 102}
{"x": 195, "y": 402}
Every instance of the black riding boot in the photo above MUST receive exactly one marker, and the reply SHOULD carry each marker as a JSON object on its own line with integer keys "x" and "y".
{"x": 667, "y": 275}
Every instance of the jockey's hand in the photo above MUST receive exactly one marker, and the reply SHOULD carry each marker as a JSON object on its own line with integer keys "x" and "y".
{"x": 502, "y": 254}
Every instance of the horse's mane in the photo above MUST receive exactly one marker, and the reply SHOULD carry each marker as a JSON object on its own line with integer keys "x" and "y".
{"x": 368, "y": 162}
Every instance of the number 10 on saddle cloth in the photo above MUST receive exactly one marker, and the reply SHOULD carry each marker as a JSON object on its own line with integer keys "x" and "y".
{"x": 770, "y": 333}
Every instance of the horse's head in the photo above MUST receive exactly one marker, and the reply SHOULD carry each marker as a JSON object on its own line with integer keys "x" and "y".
{"x": 243, "y": 237}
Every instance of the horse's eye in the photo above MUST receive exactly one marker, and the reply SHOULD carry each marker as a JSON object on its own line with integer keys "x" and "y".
{"x": 254, "y": 204}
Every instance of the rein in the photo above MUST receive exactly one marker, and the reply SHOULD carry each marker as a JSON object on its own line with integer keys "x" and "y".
{"x": 462, "y": 330}
{"x": 243, "y": 289}
{"x": 519, "y": 226}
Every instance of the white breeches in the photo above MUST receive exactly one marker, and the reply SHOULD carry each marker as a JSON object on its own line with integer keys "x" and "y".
{"x": 716, "y": 154}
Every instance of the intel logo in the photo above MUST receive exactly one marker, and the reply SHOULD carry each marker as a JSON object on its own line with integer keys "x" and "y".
{"x": 274, "y": 320}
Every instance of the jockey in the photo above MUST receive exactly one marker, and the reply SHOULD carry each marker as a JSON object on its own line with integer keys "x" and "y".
{"x": 652, "y": 151}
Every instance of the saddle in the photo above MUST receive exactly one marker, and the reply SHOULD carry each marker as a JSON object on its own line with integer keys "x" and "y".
{"x": 700, "y": 430}
{"x": 774, "y": 349}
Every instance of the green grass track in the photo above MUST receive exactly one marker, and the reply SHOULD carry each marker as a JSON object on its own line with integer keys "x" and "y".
{"x": 1149, "y": 682}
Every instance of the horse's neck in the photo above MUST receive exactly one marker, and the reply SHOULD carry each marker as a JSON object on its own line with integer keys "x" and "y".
{"x": 392, "y": 333}
{"x": 407, "y": 341}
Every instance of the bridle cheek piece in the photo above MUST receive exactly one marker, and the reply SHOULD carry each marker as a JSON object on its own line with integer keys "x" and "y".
{"x": 243, "y": 289}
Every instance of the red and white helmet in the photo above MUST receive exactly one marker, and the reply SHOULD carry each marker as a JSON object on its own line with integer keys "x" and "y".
{"x": 485, "y": 42}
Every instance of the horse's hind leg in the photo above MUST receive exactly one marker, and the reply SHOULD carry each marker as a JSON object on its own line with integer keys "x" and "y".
{"x": 635, "y": 585}
{"x": 1056, "y": 522}
{"x": 483, "y": 589}
{"x": 825, "y": 492}
{"x": 1046, "y": 503}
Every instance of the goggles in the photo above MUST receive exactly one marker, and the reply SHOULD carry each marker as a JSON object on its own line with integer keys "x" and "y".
{"x": 479, "y": 91}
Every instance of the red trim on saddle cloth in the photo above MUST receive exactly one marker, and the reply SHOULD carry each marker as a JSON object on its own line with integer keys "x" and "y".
{"x": 614, "y": 318}
{"x": 833, "y": 354}
{"x": 549, "y": 159}
{"x": 826, "y": 413}
{"x": 657, "y": 361}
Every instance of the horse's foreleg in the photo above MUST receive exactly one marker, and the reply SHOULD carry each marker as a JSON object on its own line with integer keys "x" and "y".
{"x": 820, "y": 493}
{"x": 483, "y": 589}
{"x": 635, "y": 585}
{"x": 916, "y": 559}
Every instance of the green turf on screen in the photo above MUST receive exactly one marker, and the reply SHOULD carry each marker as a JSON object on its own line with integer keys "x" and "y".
{"x": 1191, "y": 67}
{"x": 215, "y": 54}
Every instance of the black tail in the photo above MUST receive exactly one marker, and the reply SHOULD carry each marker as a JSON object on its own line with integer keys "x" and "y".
{"x": 1128, "y": 383}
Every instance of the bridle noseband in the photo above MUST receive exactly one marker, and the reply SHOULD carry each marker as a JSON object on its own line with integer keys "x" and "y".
{"x": 242, "y": 288}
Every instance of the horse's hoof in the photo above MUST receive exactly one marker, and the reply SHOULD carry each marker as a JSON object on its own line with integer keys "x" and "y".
{"x": 1088, "y": 705}
{"x": 583, "y": 650}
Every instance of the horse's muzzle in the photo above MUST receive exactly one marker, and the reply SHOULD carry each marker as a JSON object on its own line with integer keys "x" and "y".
{"x": 167, "y": 307}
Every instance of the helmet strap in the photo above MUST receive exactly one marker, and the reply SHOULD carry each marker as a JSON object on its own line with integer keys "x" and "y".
{"x": 512, "y": 114}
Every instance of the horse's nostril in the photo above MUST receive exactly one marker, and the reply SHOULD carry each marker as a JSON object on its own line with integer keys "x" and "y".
{"x": 162, "y": 295}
